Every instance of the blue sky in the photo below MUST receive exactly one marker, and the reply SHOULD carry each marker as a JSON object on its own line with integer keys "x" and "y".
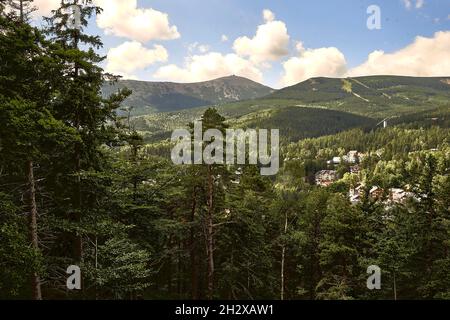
{"x": 316, "y": 24}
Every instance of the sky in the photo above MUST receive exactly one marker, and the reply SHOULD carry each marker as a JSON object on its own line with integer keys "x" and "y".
{"x": 274, "y": 42}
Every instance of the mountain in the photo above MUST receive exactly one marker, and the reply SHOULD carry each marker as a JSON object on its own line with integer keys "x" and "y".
{"x": 294, "y": 122}
{"x": 323, "y": 106}
{"x": 151, "y": 97}
{"x": 375, "y": 96}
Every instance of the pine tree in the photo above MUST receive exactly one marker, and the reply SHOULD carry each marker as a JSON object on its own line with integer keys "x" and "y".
{"x": 211, "y": 119}
{"x": 80, "y": 102}
{"x": 20, "y": 8}
{"x": 343, "y": 230}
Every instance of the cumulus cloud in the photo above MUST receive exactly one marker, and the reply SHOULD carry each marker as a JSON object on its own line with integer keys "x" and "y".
{"x": 132, "y": 56}
{"x": 268, "y": 15}
{"x": 210, "y": 66}
{"x": 321, "y": 62}
{"x": 224, "y": 37}
{"x": 424, "y": 57}
{"x": 45, "y": 7}
{"x": 270, "y": 43}
{"x": 124, "y": 19}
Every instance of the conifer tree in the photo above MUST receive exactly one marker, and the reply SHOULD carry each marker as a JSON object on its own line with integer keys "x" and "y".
{"x": 80, "y": 102}
{"x": 28, "y": 130}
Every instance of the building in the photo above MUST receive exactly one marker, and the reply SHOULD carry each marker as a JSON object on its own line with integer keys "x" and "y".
{"x": 352, "y": 157}
{"x": 355, "y": 194}
{"x": 356, "y": 169}
{"x": 336, "y": 160}
{"x": 325, "y": 178}
{"x": 376, "y": 192}
{"x": 397, "y": 195}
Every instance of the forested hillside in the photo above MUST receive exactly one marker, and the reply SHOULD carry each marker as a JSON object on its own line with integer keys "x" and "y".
{"x": 376, "y": 96}
{"x": 341, "y": 103}
{"x": 294, "y": 122}
{"x": 80, "y": 186}
{"x": 149, "y": 97}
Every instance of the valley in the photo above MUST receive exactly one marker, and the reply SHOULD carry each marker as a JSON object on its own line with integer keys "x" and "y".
{"x": 316, "y": 107}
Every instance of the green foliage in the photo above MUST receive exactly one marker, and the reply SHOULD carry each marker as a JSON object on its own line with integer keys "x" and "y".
{"x": 149, "y": 97}
{"x": 142, "y": 228}
{"x": 17, "y": 259}
{"x": 376, "y": 96}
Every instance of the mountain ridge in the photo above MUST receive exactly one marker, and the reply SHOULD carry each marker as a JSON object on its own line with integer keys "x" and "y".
{"x": 370, "y": 95}
{"x": 150, "y": 96}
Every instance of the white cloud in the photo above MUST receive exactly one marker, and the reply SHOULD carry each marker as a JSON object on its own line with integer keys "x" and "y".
{"x": 321, "y": 62}
{"x": 132, "y": 56}
{"x": 268, "y": 15}
{"x": 45, "y": 7}
{"x": 420, "y": 3}
{"x": 124, "y": 19}
{"x": 299, "y": 47}
{"x": 224, "y": 37}
{"x": 270, "y": 43}
{"x": 424, "y": 57}
{"x": 210, "y": 66}
{"x": 202, "y": 48}
{"x": 409, "y": 3}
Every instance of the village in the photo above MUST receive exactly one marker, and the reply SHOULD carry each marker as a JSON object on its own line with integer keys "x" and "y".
{"x": 325, "y": 178}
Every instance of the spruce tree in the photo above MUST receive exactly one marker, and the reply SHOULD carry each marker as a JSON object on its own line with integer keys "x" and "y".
{"x": 29, "y": 131}
{"x": 80, "y": 103}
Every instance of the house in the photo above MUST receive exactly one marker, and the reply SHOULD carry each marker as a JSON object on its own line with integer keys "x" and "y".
{"x": 355, "y": 194}
{"x": 362, "y": 156}
{"x": 356, "y": 169}
{"x": 336, "y": 160}
{"x": 376, "y": 192}
{"x": 325, "y": 178}
{"x": 352, "y": 157}
{"x": 397, "y": 195}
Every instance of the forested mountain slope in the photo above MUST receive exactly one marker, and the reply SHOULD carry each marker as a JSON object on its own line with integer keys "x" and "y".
{"x": 375, "y": 96}
{"x": 148, "y": 97}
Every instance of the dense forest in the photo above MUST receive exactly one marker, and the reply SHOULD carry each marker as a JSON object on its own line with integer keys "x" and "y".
{"x": 79, "y": 186}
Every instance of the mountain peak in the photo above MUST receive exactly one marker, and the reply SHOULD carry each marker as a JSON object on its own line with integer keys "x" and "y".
{"x": 149, "y": 97}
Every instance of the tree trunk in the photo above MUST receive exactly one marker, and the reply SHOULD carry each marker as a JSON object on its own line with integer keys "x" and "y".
{"x": 77, "y": 203}
{"x": 395, "y": 287}
{"x": 21, "y": 11}
{"x": 35, "y": 280}
{"x": 210, "y": 235}
{"x": 77, "y": 200}
{"x": 193, "y": 250}
{"x": 283, "y": 256}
